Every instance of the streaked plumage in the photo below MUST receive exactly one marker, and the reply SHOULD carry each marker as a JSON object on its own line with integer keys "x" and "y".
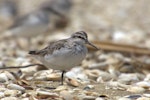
{"x": 64, "y": 54}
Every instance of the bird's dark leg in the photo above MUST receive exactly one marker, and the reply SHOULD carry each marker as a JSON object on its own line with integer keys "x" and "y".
{"x": 62, "y": 77}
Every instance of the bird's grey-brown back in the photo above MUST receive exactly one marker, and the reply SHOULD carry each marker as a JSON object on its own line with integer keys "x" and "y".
{"x": 76, "y": 38}
{"x": 64, "y": 54}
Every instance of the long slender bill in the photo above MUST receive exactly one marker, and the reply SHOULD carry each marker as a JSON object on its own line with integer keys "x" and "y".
{"x": 92, "y": 45}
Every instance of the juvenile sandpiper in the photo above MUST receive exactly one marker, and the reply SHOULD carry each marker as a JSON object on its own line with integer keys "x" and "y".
{"x": 64, "y": 54}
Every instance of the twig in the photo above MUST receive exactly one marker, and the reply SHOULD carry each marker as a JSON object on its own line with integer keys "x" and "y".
{"x": 110, "y": 46}
{"x": 16, "y": 67}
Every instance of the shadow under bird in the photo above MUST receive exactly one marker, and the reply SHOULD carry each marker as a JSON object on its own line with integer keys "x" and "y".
{"x": 64, "y": 54}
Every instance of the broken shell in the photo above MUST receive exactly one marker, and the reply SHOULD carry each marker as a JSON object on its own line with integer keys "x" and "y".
{"x": 128, "y": 78}
{"x": 122, "y": 98}
{"x": 12, "y": 93}
{"x": 16, "y": 87}
{"x": 136, "y": 89}
{"x": 104, "y": 76}
{"x": 99, "y": 98}
{"x": 23, "y": 43}
{"x": 88, "y": 98}
{"x": 116, "y": 85}
{"x": 91, "y": 93}
{"x": 93, "y": 74}
{"x": 146, "y": 95}
{"x": 143, "y": 84}
{"x": 133, "y": 96}
{"x": 53, "y": 77}
{"x": 10, "y": 98}
{"x": 88, "y": 87}
{"x": 47, "y": 75}
{"x": 61, "y": 88}
{"x": 143, "y": 98}
{"x": 10, "y": 75}
{"x": 2, "y": 94}
{"x": 45, "y": 94}
{"x": 147, "y": 78}
{"x": 43, "y": 73}
{"x": 72, "y": 82}
{"x": 66, "y": 95}
{"x": 102, "y": 65}
{"x": 3, "y": 77}
{"x": 77, "y": 74}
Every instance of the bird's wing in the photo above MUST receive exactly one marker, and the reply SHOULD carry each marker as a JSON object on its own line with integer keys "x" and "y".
{"x": 52, "y": 47}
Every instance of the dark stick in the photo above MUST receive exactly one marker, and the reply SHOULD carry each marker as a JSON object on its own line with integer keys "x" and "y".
{"x": 13, "y": 67}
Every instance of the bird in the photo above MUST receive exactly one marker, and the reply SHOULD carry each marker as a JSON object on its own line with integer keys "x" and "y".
{"x": 61, "y": 6}
{"x": 29, "y": 25}
{"x": 64, "y": 54}
{"x": 40, "y": 20}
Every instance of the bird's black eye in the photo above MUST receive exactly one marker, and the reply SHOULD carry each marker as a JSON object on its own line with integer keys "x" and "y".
{"x": 80, "y": 37}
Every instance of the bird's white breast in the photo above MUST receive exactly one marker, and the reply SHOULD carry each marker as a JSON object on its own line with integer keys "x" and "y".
{"x": 65, "y": 58}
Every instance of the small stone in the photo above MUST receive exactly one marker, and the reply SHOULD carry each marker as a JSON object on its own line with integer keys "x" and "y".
{"x": 2, "y": 94}
{"x": 89, "y": 98}
{"x": 45, "y": 94}
{"x": 72, "y": 82}
{"x": 143, "y": 84}
{"x": 66, "y": 95}
{"x": 88, "y": 87}
{"x": 16, "y": 87}
{"x": 10, "y": 98}
{"x": 12, "y": 93}
{"x": 61, "y": 88}
{"x": 136, "y": 89}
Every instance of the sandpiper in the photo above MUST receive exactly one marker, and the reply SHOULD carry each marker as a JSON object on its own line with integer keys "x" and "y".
{"x": 64, "y": 54}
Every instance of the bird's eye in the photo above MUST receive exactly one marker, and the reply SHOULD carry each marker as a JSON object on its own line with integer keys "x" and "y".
{"x": 80, "y": 37}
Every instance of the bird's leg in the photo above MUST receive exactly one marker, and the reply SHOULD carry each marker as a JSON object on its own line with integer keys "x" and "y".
{"x": 62, "y": 77}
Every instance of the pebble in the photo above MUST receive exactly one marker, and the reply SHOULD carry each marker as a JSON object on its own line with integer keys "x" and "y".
{"x": 53, "y": 77}
{"x": 88, "y": 98}
{"x": 72, "y": 82}
{"x": 2, "y": 94}
{"x": 88, "y": 87}
{"x": 10, "y": 98}
{"x": 104, "y": 76}
{"x": 66, "y": 95}
{"x": 45, "y": 94}
{"x": 136, "y": 89}
{"x": 123, "y": 98}
{"x": 146, "y": 95}
{"x": 16, "y": 87}
{"x": 116, "y": 85}
{"x": 61, "y": 88}
{"x": 99, "y": 98}
{"x": 134, "y": 96}
{"x": 3, "y": 77}
{"x": 12, "y": 93}
{"x": 78, "y": 73}
{"x": 143, "y": 84}
{"x": 128, "y": 78}
{"x": 143, "y": 98}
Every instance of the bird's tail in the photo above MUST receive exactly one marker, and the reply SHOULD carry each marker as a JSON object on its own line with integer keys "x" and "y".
{"x": 33, "y": 52}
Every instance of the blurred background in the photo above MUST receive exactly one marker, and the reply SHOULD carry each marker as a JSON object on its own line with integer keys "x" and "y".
{"x": 29, "y": 25}
{"x": 112, "y": 25}
{"x": 117, "y": 20}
